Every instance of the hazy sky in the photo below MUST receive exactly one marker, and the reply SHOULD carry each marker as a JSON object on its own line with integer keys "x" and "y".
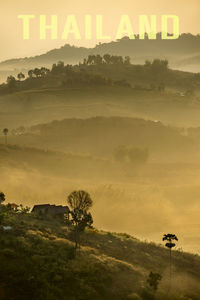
{"x": 13, "y": 45}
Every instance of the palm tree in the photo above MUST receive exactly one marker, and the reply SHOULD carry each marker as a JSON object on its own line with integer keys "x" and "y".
{"x": 5, "y": 132}
{"x": 170, "y": 238}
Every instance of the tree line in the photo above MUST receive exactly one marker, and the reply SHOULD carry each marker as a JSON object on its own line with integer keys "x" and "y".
{"x": 80, "y": 74}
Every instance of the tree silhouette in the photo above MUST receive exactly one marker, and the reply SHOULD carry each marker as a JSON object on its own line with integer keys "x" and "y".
{"x": 170, "y": 238}
{"x": 106, "y": 58}
{"x": 5, "y": 132}
{"x": 11, "y": 81}
{"x": 91, "y": 59}
{"x": 153, "y": 280}
{"x": 20, "y": 76}
{"x": 37, "y": 72}
{"x": 79, "y": 203}
{"x": 30, "y": 73}
{"x": 44, "y": 71}
{"x": 127, "y": 60}
{"x": 2, "y": 197}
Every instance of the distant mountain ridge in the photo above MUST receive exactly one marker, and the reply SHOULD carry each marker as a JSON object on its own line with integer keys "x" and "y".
{"x": 177, "y": 51}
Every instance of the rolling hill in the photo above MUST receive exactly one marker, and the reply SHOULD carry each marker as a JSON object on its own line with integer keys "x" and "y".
{"x": 100, "y": 136}
{"x": 151, "y": 91}
{"x": 177, "y": 51}
{"x": 38, "y": 262}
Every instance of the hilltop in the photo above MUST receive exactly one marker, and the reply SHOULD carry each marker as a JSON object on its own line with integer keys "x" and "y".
{"x": 139, "y": 50}
{"x": 37, "y": 262}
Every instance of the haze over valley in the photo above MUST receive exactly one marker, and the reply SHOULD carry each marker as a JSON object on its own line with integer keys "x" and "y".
{"x": 116, "y": 129}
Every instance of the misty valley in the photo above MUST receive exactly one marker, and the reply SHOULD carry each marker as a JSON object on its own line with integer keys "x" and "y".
{"x": 100, "y": 181}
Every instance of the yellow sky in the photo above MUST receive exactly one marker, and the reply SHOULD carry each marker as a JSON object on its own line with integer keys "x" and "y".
{"x": 13, "y": 45}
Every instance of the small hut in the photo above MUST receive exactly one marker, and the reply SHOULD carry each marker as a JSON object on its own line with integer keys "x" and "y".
{"x": 53, "y": 211}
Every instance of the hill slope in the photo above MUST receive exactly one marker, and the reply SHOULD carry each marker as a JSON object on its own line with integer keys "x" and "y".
{"x": 37, "y": 262}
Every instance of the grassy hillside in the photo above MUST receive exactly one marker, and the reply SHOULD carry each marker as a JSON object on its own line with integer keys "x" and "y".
{"x": 37, "y": 262}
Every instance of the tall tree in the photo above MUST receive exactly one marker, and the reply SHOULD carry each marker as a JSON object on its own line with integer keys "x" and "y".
{"x": 79, "y": 203}
{"x": 170, "y": 243}
{"x": 5, "y": 132}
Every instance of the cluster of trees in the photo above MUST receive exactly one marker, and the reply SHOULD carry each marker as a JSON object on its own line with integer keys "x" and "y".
{"x": 10, "y": 208}
{"x": 61, "y": 69}
{"x": 42, "y": 72}
{"x": 157, "y": 65}
{"x": 107, "y": 59}
{"x": 33, "y": 73}
{"x": 66, "y": 75}
{"x": 133, "y": 155}
{"x": 81, "y": 75}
